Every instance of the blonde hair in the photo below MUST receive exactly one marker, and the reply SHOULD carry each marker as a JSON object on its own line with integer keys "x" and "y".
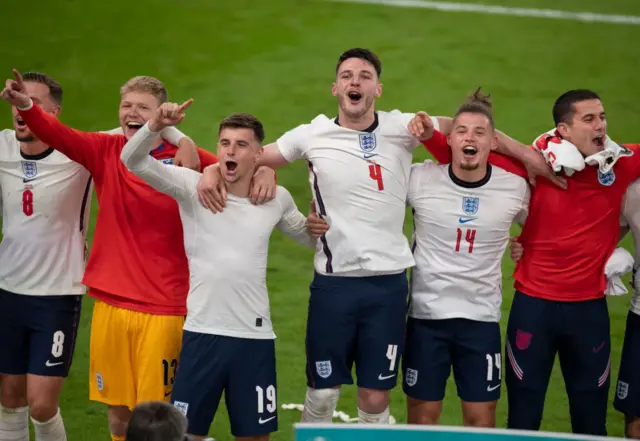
{"x": 146, "y": 84}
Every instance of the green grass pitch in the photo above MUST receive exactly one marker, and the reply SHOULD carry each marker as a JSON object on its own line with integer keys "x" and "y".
{"x": 276, "y": 59}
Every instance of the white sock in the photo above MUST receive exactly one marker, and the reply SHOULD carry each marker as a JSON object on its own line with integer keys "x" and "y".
{"x": 373, "y": 418}
{"x": 14, "y": 424}
{"x": 319, "y": 405}
{"x": 52, "y": 430}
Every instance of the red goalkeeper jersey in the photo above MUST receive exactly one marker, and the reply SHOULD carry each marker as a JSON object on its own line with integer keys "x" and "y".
{"x": 137, "y": 260}
{"x": 569, "y": 234}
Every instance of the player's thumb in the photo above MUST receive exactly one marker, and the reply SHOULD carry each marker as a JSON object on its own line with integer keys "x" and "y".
{"x": 312, "y": 208}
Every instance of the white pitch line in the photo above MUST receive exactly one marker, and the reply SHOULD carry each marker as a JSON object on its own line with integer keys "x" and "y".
{"x": 589, "y": 17}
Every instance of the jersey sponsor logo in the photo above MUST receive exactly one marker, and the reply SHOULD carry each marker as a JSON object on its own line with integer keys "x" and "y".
{"x": 99, "y": 382}
{"x": 411, "y": 377}
{"x": 523, "y": 339}
{"x": 470, "y": 205}
{"x": 324, "y": 368}
{"x": 622, "y": 390}
{"x": 30, "y": 170}
{"x": 181, "y": 406}
{"x": 266, "y": 420}
{"x": 607, "y": 179}
{"x": 368, "y": 142}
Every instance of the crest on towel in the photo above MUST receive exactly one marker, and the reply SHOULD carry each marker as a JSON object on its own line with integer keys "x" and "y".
{"x": 607, "y": 179}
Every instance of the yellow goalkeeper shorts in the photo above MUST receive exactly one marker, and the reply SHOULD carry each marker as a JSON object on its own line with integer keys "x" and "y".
{"x": 133, "y": 355}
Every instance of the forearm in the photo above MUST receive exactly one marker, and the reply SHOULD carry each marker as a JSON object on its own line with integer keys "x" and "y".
{"x": 296, "y": 228}
{"x": 510, "y": 147}
{"x": 135, "y": 154}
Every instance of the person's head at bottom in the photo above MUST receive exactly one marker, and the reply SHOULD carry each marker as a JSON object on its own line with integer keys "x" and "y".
{"x": 156, "y": 421}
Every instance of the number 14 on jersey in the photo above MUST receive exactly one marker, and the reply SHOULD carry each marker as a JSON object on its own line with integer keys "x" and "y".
{"x": 469, "y": 237}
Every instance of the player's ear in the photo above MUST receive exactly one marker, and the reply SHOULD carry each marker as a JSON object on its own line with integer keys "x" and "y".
{"x": 494, "y": 142}
{"x": 379, "y": 90}
{"x": 334, "y": 90}
{"x": 563, "y": 129}
{"x": 56, "y": 111}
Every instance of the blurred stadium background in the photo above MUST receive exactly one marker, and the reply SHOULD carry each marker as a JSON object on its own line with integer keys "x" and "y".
{"x": 276, "y": 59}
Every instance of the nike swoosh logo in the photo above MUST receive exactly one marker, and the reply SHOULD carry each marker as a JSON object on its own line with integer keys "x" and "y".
{"x": 596, "y": 350}
{"x": 28, "y": 180}
{"x": 464, "y": 221}
{"x": 492, "y": 388}
{"x": 261, "y": 421}
{"x": 370, "y": 156}
{"x": 166, "y": 394}
{"x": 380, "y": 377}
{"x": 49, "y": 364}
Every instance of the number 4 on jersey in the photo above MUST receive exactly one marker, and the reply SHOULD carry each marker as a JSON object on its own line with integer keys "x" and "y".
{"x": 375, "y": 173}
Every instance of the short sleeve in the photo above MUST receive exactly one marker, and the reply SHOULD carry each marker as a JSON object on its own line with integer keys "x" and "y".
{"x": 403, "y": 119}
{"x": 292, "y": 144}
{"x": 419, "y": 172}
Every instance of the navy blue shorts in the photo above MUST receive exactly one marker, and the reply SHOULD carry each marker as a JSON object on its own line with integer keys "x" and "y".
{"x": 627, "y": 399}
{"x": 472, "y": 347}
{"x": 38, "y": 333}
{"x": 245, "y": 369}
{"x": 579, "y": 333}
{"x": 356, "y": 319}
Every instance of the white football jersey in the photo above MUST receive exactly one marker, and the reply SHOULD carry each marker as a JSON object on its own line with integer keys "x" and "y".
{"x": 227, "y": 252}
{"x": 46, "y": 201}
{"x": 461, "y": 230}
{"x": 359, "y": 182}
{"x": 631, "y": 218}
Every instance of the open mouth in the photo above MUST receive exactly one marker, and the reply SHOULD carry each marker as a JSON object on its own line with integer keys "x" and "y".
{"x": 20, "y": 122}
{"x": 354, "y": 96}
{"x": 599, "y": 141}
{"x": 231, "y": 165}
{"x": 134, "y": 125}
{"x": 469, "y": 151}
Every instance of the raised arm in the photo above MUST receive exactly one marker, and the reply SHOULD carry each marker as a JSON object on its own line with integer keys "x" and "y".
{"x": 293, "y": 223}
{"x": 177, "y": 182}
{"x": 84, "y": 148}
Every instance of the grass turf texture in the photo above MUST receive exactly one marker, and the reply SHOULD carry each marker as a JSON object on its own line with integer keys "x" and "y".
{"x": 276, "y": 60}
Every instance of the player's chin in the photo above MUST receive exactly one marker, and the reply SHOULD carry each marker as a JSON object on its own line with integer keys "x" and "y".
{"x": 469, "y": 164}
{"x": 25, "y": 136}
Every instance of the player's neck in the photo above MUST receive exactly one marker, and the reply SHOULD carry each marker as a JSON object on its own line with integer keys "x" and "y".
{"x": 361, "y": 124}
{"x": 33, "y": 148}
{"x": 240, "y": 188}
{"x": 478, "y": 176}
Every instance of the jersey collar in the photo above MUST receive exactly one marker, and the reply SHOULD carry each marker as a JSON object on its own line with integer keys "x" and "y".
{"x": 369, "y": 129}
{"x": 459, "y": 182}
{"x": 42, "y": 155}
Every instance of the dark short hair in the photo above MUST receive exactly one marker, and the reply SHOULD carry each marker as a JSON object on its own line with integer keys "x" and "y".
{"x": 478, "y": 103}
{"x": 564, "y": 109}
{"x": 55, "y": 89}
{"x": 363, "y": 54}
{"x": 243, "y": 121}
{"x": 156, "y": 421}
